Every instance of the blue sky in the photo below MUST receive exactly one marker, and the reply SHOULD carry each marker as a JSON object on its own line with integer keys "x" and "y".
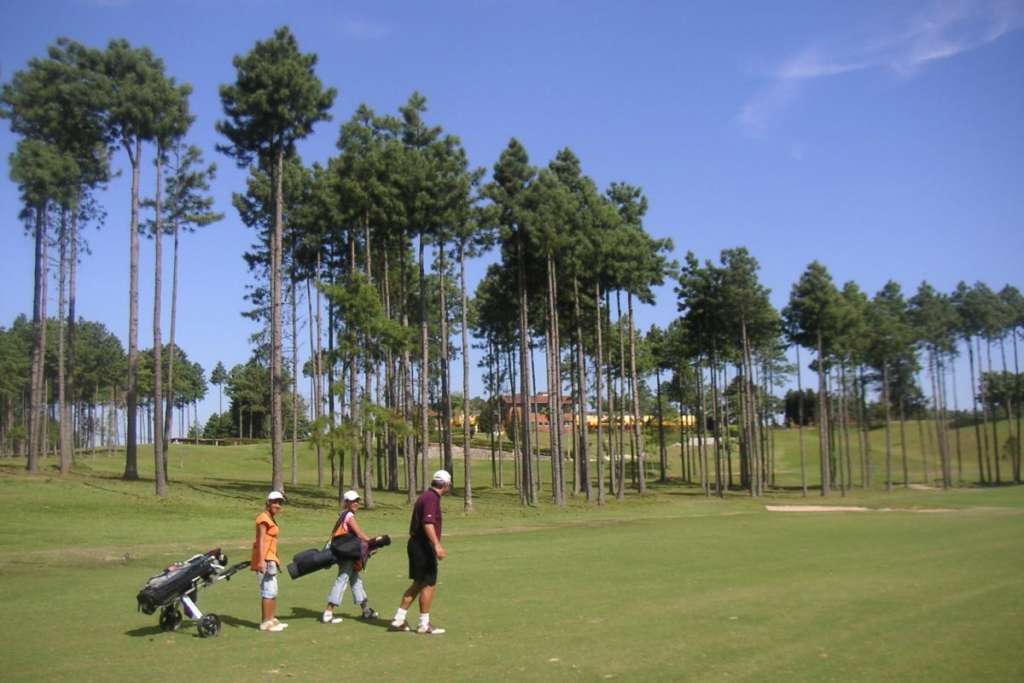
{"x": 883, "y": 138}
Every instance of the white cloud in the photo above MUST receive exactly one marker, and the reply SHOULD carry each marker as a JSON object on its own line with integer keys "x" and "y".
{"x": 946, "y": 29}
{"x": 812, "y": 64}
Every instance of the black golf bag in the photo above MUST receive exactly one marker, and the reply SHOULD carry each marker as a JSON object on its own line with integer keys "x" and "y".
{"x": 180, "y": 584}
{"x": 315, "y": 559}
{"x": 309, "y": 561}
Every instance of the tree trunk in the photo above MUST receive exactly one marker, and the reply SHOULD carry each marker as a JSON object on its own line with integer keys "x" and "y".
{"x": 956, "y": 412}
{"x": 535, "y": 421}
{"x": 72, "y": 324}
{"x": 295, "y": 387}
{"x": 924, "y": 456}
{"x": 424, "y": 371}
{"x": 1015, "y": 438}
{"x": 62, "y": 398}
{"x": 446, "y": 394}
{"x": 559, "y": 450}
{"x": 823, "y": 422}
{"x": 337, "y": 468}
{"x": 131, "y": 468}
{"x": 718, "y": 425}
{"x": 578, "y": 416}
{"x": 515, "y": 422}
{"x": 354, "y": 413}
{"x": 620, "y": 491}
{"x": 888, "y": 427}
{"x": 496, "y": 407}
{"x": 634, "y": 380}
{"x": 903, "y": 442}
{"x": 169, "y": 415}
{"x": 555, "y": 389}
{"x": 582, "y": 462}
{"x": 725, "y": 422}
{"x": 662, "y": 453}
{"x": 800, "y": 423}
{"x": 529, "y": 495}
{"x": 845, "y": 421}
{"x": 754, "y": 451}
{"x": 1016, "y": 370}
{"x": 933, "y": 368}
{"x": 984, "y": 413}
{"x": 277, "y": 359}
{"x": 37, "y": 425}
{"x": 314, "y": 353}
{"x": 158, "y": 368}
{"x": 390, "y": 376}
{"x": 599, "y": 323}
{"x": 467, "y": 496}
{"x": 702, "y": 423}
{"x": 974, "y": 410}
{"x": 616, "y": 455}
{"x": 992, "y": 414}
{"x": 367, "y": 382}
{"x": 865, "y": 465}
{"x": 407, "y": 393}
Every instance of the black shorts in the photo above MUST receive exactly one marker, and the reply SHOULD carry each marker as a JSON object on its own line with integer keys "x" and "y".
{"x": 422, "y": 562}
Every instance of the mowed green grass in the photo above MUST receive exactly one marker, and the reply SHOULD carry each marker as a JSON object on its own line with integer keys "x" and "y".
{"x": 668, "y": 587}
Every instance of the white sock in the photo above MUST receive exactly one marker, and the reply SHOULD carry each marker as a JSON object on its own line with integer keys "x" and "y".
{"x": 424, "y": 620}
{"x": 399, "y": 615}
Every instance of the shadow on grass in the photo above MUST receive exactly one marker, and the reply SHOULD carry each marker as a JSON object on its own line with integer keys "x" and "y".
{"x": 304, "y": 613}
{"x": 188, "y": 627}
{"x": 235, "y": 622}
{"x": 145, "y": 631}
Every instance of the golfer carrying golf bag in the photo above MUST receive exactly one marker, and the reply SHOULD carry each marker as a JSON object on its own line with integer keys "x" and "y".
{"x": 350, "y": 570}
{"x": 425, "y": 551}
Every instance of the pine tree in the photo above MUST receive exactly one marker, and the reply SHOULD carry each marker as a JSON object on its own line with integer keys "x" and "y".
{"x": 275, "y": 102}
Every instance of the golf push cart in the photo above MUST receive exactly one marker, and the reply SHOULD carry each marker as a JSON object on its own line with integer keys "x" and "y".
{"x": 180, "y": 584}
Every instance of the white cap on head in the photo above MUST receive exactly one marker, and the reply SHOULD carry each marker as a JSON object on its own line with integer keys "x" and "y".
{"x": 443, "y": 476}
{"x": 275, "y": 495}
{"x": 350, "y": 496}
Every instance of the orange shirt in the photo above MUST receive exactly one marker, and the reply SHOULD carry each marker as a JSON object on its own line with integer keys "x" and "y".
{"x": 269, "y": 549}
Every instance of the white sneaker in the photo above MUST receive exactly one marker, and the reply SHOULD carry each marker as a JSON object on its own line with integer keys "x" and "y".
{"x": 430, "y": 630}
{"x": 280, "y": 623}
{"x": 329, "y": 618}
{"x": 269, "y": 625}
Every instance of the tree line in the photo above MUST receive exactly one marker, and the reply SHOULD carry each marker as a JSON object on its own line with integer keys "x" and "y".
{"x": 367, "y": 253}
{"x": 96, "y": 404}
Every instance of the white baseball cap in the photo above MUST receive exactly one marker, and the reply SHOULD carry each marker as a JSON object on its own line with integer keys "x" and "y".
{"x": 350, "y": 496}
{"x": 443, "y": 476}
{"x": 275, "y": 495}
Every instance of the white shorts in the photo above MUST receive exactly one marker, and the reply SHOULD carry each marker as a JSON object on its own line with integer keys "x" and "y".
{"x": 268, "y": 581}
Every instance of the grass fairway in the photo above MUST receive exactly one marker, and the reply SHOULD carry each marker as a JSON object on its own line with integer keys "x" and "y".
{"x": 668, "y": 587}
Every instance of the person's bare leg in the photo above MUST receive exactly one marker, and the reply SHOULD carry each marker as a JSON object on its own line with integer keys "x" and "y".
{"x": 410, "y": 594}
{"x": 426, "y": 597}
{"x": 268, "y": 608}
{"x": 399, "y": 623}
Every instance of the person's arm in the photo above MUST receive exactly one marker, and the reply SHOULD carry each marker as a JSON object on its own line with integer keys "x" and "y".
{"x": 353, "y": 526}
{"x": 261, "y": 545}
{"x": 435, "y": 542}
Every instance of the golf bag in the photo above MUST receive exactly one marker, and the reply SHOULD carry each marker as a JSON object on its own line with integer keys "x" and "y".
{"x": 315, "y": 559}
{"x": 179, "y": 584}
{"x": 309, "y": 561}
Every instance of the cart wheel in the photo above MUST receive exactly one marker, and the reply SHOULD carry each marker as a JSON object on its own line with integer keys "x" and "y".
{"x": 209, "y": 626}
{"x": 170, "y": 619}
